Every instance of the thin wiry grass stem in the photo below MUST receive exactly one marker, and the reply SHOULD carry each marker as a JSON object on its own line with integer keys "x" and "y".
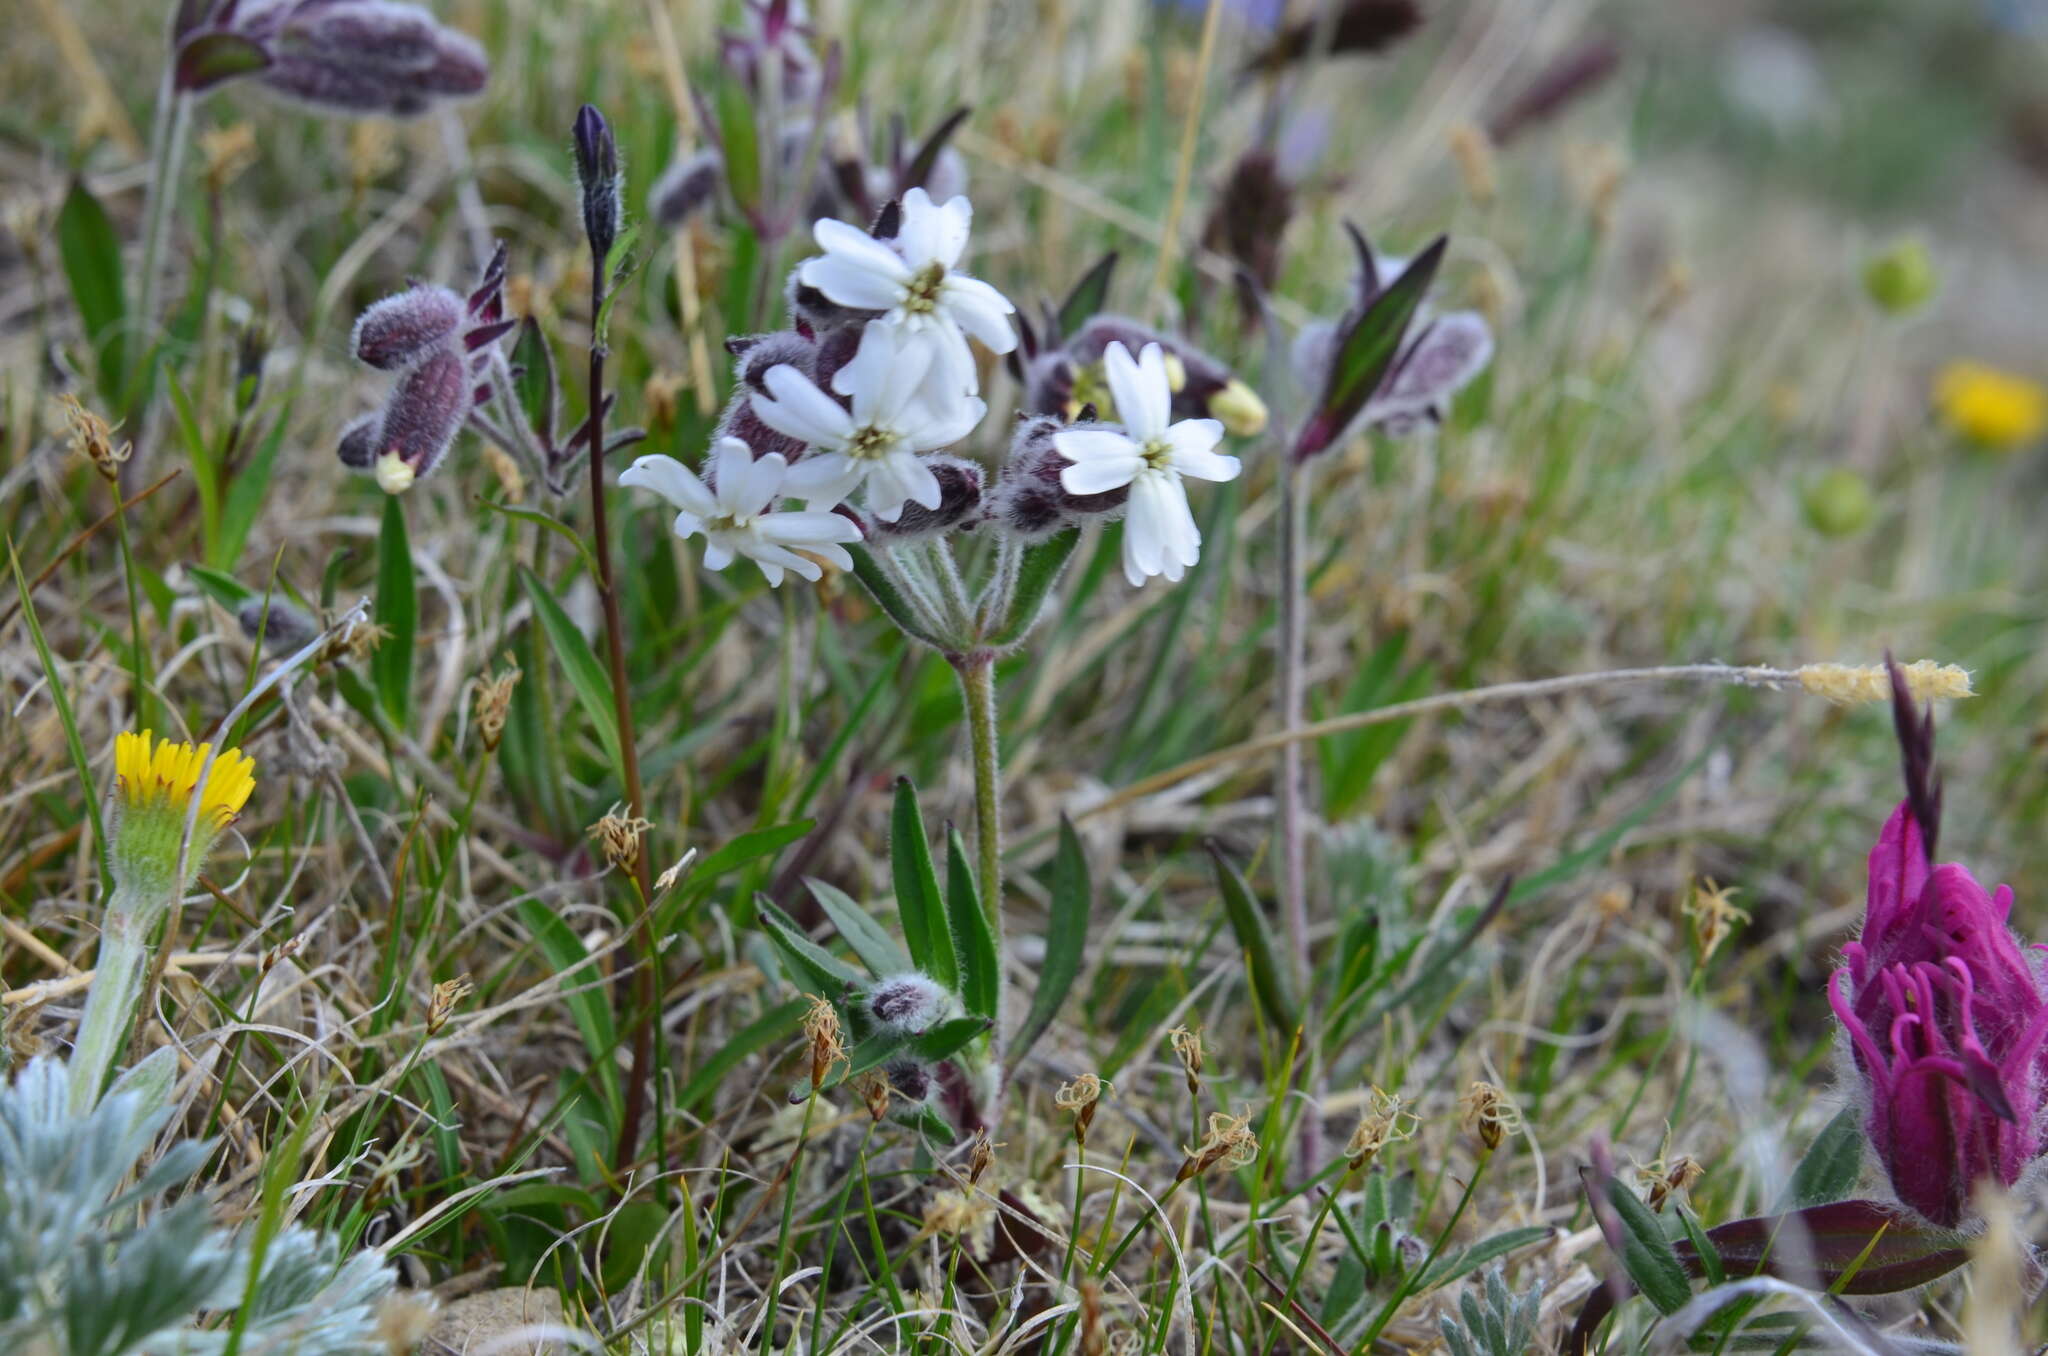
{"x": 1190, "y": 138}
{"x": 1757, "y": 675}
{"x": 644, "y": 980}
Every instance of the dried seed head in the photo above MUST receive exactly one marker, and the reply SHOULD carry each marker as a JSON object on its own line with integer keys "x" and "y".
{"x": 398, "y": 331}
{"x": 228, "y": 151}
{"x": 1851, "y": 684}
{"x": 1187, "y": 1047}
{"x": 969, "y": 1216}
{"x": 92, "y": 437}
{"x": 1080, "y": 1097}
{"x": 660, "y": 397}
{"x": 874, "y": 1091}
{"x": 446, "y": 996}
{"x": 494, "y": 703}
{"x": 1473, "y": 152}
{"x": 618, "y": 836}
{"x": 1229, "y": 1143}
{"x": 505, "y": 469}
{"x": 1489, "y": 1114}
{"x": 1386, "y": 1120}
{"x": 828, "y": 1047}
{"x": 404, "y": 1318}
{"x": 980, "y": 1157}
{"x": 1714, "y": 915}
{"x": 1665, "y": 1180}
{"x": 911, "y": 1003}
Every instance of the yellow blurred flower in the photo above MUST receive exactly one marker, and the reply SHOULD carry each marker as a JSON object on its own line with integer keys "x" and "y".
{"x": 1993, "y": 408}
{"x": 155, "y": 780}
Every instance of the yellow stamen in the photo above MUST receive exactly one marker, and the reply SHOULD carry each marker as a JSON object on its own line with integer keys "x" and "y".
{"x": 152, "y": 770}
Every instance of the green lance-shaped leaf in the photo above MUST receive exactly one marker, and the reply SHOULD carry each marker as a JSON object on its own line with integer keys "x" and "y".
{"x": 1832, "y": 1165}
{"x": 91, "y": 253}
{"x": 398, "y": 612}
{"x": 1255, "y": 940}
{"x": 975, "y": 958}
{"x": 1037, "y": 573}
{"x": 587, "y": 677}
{"x": 1066, "y": 934}
{"x": 1364, "y": 349}
{"x": 918, "y": 902}
{"x": 1087, "y": 297}
{"x": 867, "y": 939}
{"x": 812, "y": 967}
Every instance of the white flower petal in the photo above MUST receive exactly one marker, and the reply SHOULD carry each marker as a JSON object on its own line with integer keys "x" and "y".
{"x": 980, "y": 310}
{"x": 859, "y": 250}
{"x": 752, "y": 483}
{"x": 836, "y": 554}
{"x": 671, "y": 480}
{"x": 779, "y": 558}
{"x": 920, "y": 485}
{"x": 888, "y": 488}
{"x": 806, "y": 529}
{"x": 1159, "y": 530}
{"x": 933, "y": 233}
{"x": 825, "y": 478}
{"x": 771, "y": 572}
{"x": 718, "y": 552}
{"x": 687, "y": 524}
{"x": 1090, "y": 444}
{"x": 909, "y": 356}
{"x": 1194, "y": 450}
{"x": 926, "y": 428}
{"x": 1136, "y": 408}
{"x": 1098, "y": 475}
{"x": 795, "y": 406}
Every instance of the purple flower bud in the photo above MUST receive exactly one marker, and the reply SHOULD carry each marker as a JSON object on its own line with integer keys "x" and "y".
{"x": 909, "y": 1078}
{"x": 686, "y": 188}
{"x": 1253, "y": 206}
{"x": 597, "y": 172}
{"x": 773, "y": 31}
{"x": 358, "y": 445}
{"x": 421, "y": 420}
{"x": 1029, "y": 499}
{"x": 1945, "y": 1013}
{"x": 365, "y": 56}
{"x": 912, "y": 1003}
{"x": 959, "y": 500}
{"x": 278, "y": 625}
{"x": 400, "y": 330}
{"x": 754, "y": 354}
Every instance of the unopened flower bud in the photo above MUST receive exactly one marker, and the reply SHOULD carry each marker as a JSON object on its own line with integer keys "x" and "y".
{"x": 279, "y": 626}
{"x": 1839, "y": 503}
{"x": 421, "y": 420}
{"x": 959, "y": 498}
{"x": 1029, "y": 498}
{"x": 597, "y": 173}
{"x": 909, "y": 1080}
{"x": 911, "y": 1003}
{"x": 400, "y": 330}
{"x": 366, "y": 56}
{"x": 1239, "y": 409}
{"x": 686, "y": 188}
{"x": 1901, "y": 279}
{"x": 358, "y": 443}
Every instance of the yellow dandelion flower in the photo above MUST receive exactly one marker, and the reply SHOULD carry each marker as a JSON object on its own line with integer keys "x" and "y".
{"x": 1995, "y": 409}
{"x": 151, "y": 769}
{"x": 155, "y": 780}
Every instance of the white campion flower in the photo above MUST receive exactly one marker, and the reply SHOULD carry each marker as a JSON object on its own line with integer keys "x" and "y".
{"x": 911, "y": 279}
{"x": 735, "y": 519}
{"x": 1149, "y": 454}
{"x": 894, "y": 418}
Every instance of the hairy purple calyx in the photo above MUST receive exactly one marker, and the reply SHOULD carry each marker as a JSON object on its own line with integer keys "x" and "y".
{"x": 1946, "y": 1012}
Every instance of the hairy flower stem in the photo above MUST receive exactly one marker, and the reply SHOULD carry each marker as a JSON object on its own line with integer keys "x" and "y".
{"x": 169, "y": 131}
{"x": 116, "y": 985}
{"x": 1293, "y": 845}
{"x": 644, "y": 985}
{"x": 977, "y": 673}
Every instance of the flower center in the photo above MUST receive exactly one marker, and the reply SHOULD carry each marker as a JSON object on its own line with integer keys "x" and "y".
{"x": 729, "y": 522}
{"x": 1157, "y": 454}
{"x": 922, "y": 291}
{"x": 870, "y": 443}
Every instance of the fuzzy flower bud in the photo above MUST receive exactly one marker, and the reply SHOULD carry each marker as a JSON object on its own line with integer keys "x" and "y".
{"x": 357, "y": 446}
{"x": 1945, "y": 1011}
{"x": 401, "y": 329}
{"x": 275, "y": 623}
{"x": 1029, "y": 499}
{"x": 597, "y": 173}
{"x": 959, "y": 499}
{"x": 910, "y": 1003}
{"x": 422, "y": 419}
{"x": 685, "y": 188}
{"x": 909, "y": 1080}
{"x": 362, "y": 56}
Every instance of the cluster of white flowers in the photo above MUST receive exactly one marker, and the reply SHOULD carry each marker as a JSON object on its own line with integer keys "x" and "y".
{"x": 869, "y": 426}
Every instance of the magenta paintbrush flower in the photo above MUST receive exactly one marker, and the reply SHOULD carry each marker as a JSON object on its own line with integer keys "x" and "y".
{"x": 1945, "y": 1011}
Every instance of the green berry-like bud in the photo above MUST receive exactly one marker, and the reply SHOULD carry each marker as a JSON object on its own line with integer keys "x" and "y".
{"x": 1901, "y": 279}
{"x": 1839, "y": 504}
